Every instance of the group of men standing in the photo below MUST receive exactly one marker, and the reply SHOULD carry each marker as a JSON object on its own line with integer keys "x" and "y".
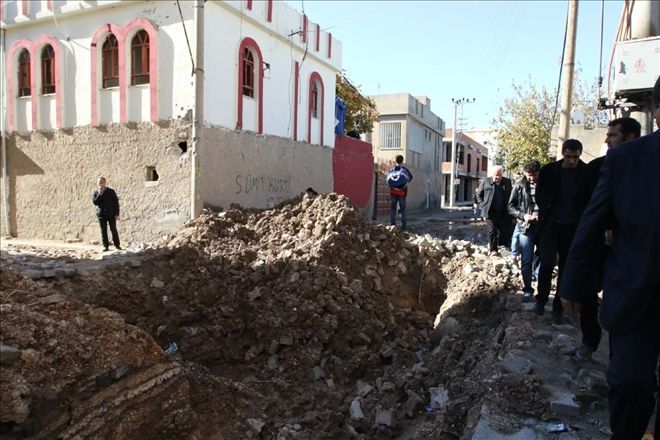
{"x": 600, "y": 224}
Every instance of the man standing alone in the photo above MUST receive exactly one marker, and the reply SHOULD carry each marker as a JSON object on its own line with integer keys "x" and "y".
{"x": 493, "y": 196}
{"x": 107, "y": 210}
{"x": 398, "y": 179}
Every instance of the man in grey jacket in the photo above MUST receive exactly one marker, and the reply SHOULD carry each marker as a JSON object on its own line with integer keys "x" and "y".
{"x": 492, "y": 196}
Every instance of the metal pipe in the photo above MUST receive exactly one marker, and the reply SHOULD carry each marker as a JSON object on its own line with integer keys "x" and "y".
{"x": 198, "y": 109}
{"x": 3, "y": 135}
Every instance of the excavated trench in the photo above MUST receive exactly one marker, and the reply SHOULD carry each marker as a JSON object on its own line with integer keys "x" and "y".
{"x": 305, "y": 321}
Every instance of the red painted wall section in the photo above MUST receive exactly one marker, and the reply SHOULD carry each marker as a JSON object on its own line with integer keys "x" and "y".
{"x": 353, "y": 169}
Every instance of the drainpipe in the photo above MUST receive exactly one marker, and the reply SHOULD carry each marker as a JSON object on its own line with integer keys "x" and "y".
{"x": 198, "y": 109}
{"x": 3, "y": 135}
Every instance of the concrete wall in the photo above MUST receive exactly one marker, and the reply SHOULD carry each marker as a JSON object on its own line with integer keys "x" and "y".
{"x": 593, "y": 141}
{"x": 259, "y": 171}
{"x": 51, "y": 194}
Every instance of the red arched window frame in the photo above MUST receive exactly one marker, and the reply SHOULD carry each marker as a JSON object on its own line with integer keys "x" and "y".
{"x": 140, "y": 58}
{"x": 248, "y": 73}
{"x": 47, "y": 70}
{"x": 24, "y": 75}
{"x": 110, "y": 62}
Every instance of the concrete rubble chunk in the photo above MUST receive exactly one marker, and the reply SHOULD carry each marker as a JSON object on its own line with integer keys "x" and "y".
{"x": 516, "y": 364}
{"x": 356, "y": 410}
{"x": 331, "y": 384}
{"x": 563, "y": 344}
{"x": 565, "y": 405}
{"x": 318, "y": 373}
{"x": 256, "y": 425}
{"x": 52, "y": 299}
{"x": 363, "y": 388}
{"x": 254, "y": 294}
{"x": 413, "y": 402}
{"x": 387, "y": 386}
{"x": 156, "y": 283}
{"x": 9, "y": 354}
{"x": 384, "y": 417}
{"x": 439, "y": 397}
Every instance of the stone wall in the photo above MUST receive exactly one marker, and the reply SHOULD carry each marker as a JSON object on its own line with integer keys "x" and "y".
{"x": 52, "y": 176}
{"x": 258, "y": 171}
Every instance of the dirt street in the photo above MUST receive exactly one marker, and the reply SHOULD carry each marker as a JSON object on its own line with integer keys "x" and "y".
{"x": 304, "y": 321}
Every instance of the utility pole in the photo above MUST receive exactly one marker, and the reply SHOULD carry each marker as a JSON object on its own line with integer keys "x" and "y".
{"x": 568, "y": 68}
{"x": 198, "y": 109}
{"x": 452, "y": 177}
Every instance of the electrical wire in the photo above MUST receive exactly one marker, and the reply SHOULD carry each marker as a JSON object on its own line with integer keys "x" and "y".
{"x": 600, "y": 58}
{"x": 192, "y": 59}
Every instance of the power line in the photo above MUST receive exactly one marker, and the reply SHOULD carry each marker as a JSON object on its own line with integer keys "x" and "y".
{"x": 561, "y": 69}
{"x": 192, "y": 59}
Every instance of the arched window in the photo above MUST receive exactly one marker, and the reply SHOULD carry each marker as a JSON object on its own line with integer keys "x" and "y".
{"x": 24, "y": 77}
{"x": 314, "y": 101}
{"x": 110, "y": 62}
{"x": 248, "y": 73}
{"x": 47, "y": 70}
{"x": 140, "y": 58}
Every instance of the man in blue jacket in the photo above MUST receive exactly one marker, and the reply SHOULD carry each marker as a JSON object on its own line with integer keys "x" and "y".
{"x": 627, "y": 198}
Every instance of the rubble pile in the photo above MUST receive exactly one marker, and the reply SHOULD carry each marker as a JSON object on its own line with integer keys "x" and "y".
{"x": 303, "y": 321}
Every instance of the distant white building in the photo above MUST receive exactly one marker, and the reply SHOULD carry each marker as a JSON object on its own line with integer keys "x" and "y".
{"x": 106, "y": 86}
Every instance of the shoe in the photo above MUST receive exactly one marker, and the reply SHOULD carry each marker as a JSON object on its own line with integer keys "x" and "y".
{"x": 583, "y": 353}
{"x": 118, "y": 248}
{"x": 106, "y": 249}
{"x": 527, "y": 297}
{"x": 557, "y": 317}
{"x": 539, "y": 309}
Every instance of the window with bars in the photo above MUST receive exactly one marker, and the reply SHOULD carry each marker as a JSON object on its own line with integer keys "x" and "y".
{"x": 110, "y": 62}
{"x": 314, "y": 104}
{"x": 140, "y": 58}
{"x": 47, "y": 70}
{"x": 24, "y": 76}
{"x": 248, "y": 73}
{"x": 390, "y": 135}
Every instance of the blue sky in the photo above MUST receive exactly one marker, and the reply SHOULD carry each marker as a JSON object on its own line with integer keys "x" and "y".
{"x": 456, "y": 49}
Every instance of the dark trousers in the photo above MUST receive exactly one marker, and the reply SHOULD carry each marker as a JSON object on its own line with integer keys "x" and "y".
{"x": 591, "y": 331}
{"x": 401, "y": 201}
{"x": 499, "y": 223}
{"x": 632, "y": 378}
{"x": 554, "y": 243}
{"x": 104, "y": 222}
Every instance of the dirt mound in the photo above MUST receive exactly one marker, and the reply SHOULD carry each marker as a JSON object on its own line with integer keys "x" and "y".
{"x": 304, "y": 321}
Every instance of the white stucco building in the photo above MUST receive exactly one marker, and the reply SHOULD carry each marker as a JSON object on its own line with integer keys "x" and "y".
{"x": 107, "y": 86}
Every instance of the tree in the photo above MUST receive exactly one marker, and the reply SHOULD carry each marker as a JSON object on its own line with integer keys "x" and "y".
{"x": 361, "y": 111}
{"x": 524, "y": 122}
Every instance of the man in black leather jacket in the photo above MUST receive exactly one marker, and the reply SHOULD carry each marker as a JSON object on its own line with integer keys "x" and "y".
{"x": 107, "y": 211}
{"x": 522, "y": 206}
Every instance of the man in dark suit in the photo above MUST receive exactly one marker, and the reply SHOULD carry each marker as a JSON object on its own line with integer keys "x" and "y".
{"x": 561, "y": 195}
{"x": 493, "y": 196}
{"x": 627, "y": 197}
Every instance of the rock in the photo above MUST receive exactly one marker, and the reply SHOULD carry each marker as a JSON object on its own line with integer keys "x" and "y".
{"x": 565, "y": 405}
{"x": 387, "y": 353}
{"x": 254, "y": 294}
{"x": 384, "y": 417}
{"x": 272, "y": 362}
{"x": 156, "y": 283}
{"x": 9, "y": 354}
{"x": 413, "y": 402}
{"x": 363, "y": 388}
{"x": 516, "y": 364}
{"x": 121, "y": 370}
{"x": 331, "y": 384}
{"x": 136, "y": 263}
{"x": 70, "y": 272}
{"x": 448, "y": 326}
{"x": 52, "y": 299}
{"x": 33, "y": 274}
{"x": 562, "y": 344}
{"x": 286, "y": 340}
{"x": 256, "y": 425}
{"x": 356, "y": 410}
{"x": 387, "y": 386}
{"x": 439, "y": 397}
{"x": 529, "y": 307}
{"x": 318, "y": 373}
{"x": 484, "y": 430}
{"x": 468, "y": 269}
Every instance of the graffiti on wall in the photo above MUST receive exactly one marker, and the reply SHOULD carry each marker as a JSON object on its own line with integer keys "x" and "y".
{"x": 247, "y": 184}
